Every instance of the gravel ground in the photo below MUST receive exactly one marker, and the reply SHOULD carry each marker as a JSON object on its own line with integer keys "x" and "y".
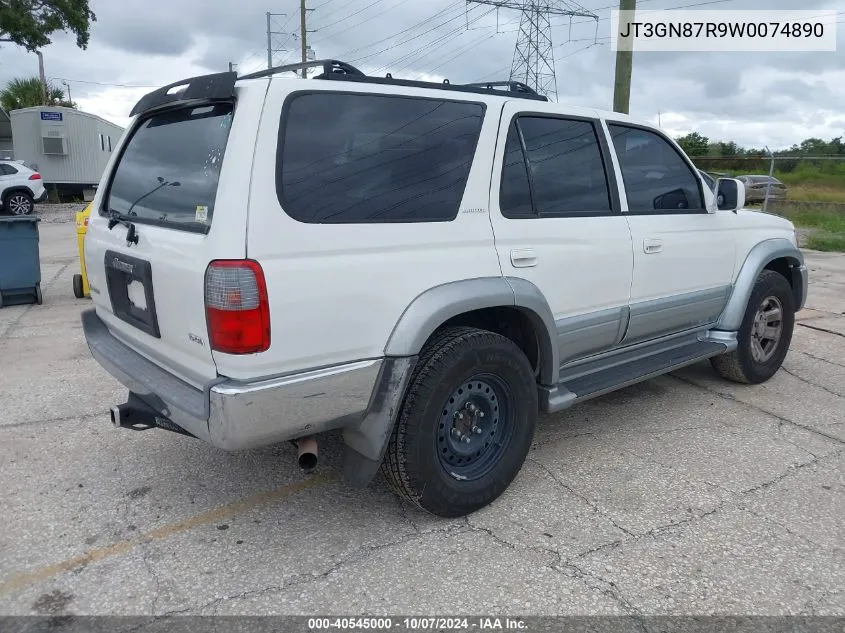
{"x": 59, "y": 213}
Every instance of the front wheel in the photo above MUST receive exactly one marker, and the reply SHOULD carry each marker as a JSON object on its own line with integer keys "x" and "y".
{"x": 765, "y": 334}
{"x": 466, "y": 423}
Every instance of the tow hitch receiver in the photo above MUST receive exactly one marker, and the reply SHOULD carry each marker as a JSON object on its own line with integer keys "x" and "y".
{"x": 136, "y": 415}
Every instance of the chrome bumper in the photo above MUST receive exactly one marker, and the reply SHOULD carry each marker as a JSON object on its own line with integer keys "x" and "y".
{"x": 235, "y": 415}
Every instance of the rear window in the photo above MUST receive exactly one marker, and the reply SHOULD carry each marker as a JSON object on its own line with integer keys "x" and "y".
{"x": 169, "y": 169}
{"x": 357, "y": 158}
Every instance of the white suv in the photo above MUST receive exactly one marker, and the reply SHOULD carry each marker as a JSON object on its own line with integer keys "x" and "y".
{"x": 424, "y": 266}
{"x": 20, "y": 188}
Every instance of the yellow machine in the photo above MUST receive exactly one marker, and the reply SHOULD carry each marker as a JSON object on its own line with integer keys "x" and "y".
{"x": 80, "y": 281}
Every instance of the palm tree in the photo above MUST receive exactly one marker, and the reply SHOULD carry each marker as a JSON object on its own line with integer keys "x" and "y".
{"x": 25, "y": 93}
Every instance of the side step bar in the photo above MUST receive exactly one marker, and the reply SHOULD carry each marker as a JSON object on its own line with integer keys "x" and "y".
{"x": 595, "y": 378}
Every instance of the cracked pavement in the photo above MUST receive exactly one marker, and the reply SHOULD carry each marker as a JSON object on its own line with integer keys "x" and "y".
{"x": 683, "y": 495}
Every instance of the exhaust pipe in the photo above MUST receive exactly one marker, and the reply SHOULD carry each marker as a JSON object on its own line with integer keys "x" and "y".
{"x": 306, "y": 453}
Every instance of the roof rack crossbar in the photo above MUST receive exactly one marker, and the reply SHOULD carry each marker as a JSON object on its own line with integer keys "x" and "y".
{"x": 330, "y": 67}
{"x": 512, "y": 86}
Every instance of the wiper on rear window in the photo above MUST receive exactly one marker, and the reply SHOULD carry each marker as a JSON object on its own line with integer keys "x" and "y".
{"x": 116, "y": 218}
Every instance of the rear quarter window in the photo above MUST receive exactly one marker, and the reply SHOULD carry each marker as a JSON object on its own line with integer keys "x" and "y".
{"x": 359, "y": 158}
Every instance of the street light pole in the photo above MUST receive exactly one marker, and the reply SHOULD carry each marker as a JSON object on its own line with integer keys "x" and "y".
{"x": 69, "y": 99}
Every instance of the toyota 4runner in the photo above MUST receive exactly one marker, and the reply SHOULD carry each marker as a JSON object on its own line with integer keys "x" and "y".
{"x": 422, "y": 266}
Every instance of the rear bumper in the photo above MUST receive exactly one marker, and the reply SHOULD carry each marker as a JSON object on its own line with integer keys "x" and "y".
{"x": 235, "y": 415}
{"x": 41, "y": 197}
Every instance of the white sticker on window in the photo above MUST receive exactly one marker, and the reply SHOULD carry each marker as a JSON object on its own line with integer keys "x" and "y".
{"x": 202, "y": 214}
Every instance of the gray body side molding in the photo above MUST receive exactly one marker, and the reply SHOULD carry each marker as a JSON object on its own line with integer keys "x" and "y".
{"x": 761, "y": 255}
{"x": 439, "y": 304}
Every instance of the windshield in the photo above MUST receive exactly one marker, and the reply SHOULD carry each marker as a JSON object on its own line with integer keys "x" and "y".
{"x": 168, "y": 172}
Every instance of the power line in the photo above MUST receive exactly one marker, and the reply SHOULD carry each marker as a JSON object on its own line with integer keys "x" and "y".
{"x": 427, "y": 46}
{"x": 352, "y": 15}
{"x": 398, "y": 44}
{"x": 422, "y": 22}
{"x": 352, "y": 26}
{"x": 100, "y": 83}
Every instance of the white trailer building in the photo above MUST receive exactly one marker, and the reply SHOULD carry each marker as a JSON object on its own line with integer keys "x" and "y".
{"x": 68, "y": 147}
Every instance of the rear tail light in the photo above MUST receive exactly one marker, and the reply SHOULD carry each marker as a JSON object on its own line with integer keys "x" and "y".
{"x": 35, "y": 176}
{"x": 236, "y": 307}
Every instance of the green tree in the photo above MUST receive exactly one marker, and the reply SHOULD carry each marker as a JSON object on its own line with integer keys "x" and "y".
{"x": 26, "y": 93}
{"x": 30, "y": 23}
{"x": 694, "y": 144}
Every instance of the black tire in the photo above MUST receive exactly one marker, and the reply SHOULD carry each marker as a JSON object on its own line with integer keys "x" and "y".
{"x": 742, "y": 365}
{"x": 418, "y": 464}
{"x": 78, "y": 291}
{"x": 38, "y": 297}
{"x": 18, "y": 203}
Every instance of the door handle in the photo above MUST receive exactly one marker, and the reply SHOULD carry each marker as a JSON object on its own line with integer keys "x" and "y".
{"x": 524, "y": 258}
{"x": 652, "y": 246}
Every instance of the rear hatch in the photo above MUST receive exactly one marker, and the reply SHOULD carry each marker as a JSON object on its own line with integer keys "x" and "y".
{"x": 161, "y": 216}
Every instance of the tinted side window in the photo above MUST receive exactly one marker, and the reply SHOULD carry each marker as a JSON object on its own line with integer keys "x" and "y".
{"x": 567, "y": 172}
{"x": 515, "y": 190}
{"x": 357, "y": 158}
{"x": 656, "y": 178}
{"x": 8, "y": 170}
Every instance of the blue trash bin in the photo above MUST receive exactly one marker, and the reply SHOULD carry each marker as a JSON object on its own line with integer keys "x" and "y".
{"x": 20, "y": 261}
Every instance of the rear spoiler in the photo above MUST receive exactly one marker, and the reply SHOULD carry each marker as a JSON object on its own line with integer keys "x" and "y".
{"x": 219, "y": 86}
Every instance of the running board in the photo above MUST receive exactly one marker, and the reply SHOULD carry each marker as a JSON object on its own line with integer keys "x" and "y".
{"x": 603, "y": 376}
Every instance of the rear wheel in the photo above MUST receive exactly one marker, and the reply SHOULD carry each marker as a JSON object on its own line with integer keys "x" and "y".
{"x": 38, "y": 297}
{"x": 765, "y": 334}
{"x": 19, "y": 203}
{"x": 466, "y": 423}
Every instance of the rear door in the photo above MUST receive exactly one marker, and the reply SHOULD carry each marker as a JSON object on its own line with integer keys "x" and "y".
{"x": 557, "y": 222}
{"x": 181, "y": 180}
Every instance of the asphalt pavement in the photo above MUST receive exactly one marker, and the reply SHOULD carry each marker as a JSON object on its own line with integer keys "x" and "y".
{"x": 682, "y": 495}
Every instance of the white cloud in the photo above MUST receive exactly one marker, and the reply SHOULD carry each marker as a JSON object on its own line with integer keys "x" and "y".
{"x": 756, "y": 99}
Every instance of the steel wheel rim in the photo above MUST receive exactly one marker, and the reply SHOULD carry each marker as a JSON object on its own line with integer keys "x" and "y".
{"x": 475, "y": 427}
{"x": 766, "y": 329}
{"x": 19, "y": 205}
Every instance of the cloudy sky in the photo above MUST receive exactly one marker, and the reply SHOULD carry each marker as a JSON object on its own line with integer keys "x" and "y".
{"x": 752, "y": 98}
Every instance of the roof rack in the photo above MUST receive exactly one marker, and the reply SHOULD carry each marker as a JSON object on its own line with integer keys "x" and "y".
{"x": 221, "y": 86}
{"x": 512, "y": 86}
{"x": 330, "y": 67}
{"x": 341, "y": 71}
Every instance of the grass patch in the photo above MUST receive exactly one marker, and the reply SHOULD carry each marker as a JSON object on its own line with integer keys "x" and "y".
{"x": 829, "y": 221}
{"x": 827, "y": 242}
{"x": 816, "y": 193}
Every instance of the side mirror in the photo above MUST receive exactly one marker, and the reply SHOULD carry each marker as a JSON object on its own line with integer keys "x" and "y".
{"x": 730, "y": 194}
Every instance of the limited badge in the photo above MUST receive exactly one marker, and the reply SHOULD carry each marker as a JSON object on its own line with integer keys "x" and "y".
{"x": 202, "y": 214}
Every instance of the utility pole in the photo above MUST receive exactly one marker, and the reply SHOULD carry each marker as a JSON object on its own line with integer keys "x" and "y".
{"x": 624, "y": 61}
{"x": 67, "y": 85}
{"x": 303, "y": 32}
{"x": 43, "y": 78}
{"x": 533, "y": 59}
